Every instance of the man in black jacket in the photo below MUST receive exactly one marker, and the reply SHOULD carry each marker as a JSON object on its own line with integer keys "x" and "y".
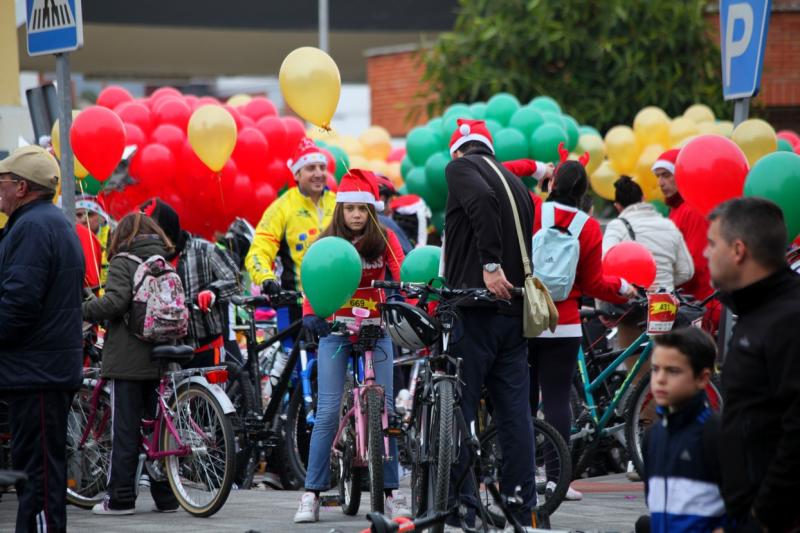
{"x": 482, "y": 250}
{"x": 760, "y": 434}
{"x": 41, "y": 278}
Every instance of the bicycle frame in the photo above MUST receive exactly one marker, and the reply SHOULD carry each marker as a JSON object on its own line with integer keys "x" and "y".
{"x": 590, "y": 386}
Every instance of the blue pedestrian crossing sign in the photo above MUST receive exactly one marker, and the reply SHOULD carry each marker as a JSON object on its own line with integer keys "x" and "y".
{"x": 54, "y": 26}
{"x": 743, "y": 28}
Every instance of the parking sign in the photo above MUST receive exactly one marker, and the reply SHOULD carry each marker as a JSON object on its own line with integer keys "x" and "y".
{"x": 743, "y": 37}
{"x": 54, "y": 26}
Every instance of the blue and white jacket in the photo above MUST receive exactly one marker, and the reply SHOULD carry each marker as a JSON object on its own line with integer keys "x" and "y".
{"x": 682, "y": 473}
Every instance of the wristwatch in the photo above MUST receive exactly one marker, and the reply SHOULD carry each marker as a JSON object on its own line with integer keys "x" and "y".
{"x": 491, "y": 268}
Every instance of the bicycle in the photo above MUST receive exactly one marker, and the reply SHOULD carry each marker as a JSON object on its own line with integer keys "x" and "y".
{"x": 190, "y": 441}
{"x": 595, "y": 420}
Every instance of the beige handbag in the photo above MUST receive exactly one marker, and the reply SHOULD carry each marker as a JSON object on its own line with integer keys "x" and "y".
{"x": 539, "y": 312}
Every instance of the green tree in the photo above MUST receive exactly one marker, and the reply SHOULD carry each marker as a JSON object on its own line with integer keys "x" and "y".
{"x": 603, "y": 60}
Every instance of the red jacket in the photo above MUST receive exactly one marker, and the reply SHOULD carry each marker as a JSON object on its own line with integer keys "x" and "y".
{"x": 92, "y": 253}
{"x": 589, "y": 278}
{"x": 366, "y": 297}
{"x": 529, "y": 167}
{"x": 694, "y": 228}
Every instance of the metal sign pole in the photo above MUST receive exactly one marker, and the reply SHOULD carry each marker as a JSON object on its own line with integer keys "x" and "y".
{"x": 322, "y": 7}
{"x": 64, "y": 125}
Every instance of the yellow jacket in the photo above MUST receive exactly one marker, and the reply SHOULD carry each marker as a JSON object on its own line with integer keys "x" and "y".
{"x": 288, "y": 227}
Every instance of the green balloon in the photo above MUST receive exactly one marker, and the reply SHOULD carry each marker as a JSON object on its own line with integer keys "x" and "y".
{"x": 417, "y": 183}
{"x": 478, "y": 110}
{"x": 421, "y": 143}
{"x": 437, "y": 221}
{"x": 91, "y": 185}
{"x": 451, "y": 122}
{"x": 572, "y": 132}
{"x": 493, "y": 126}
{"x": 421, "y": 265}
{"x": 530, "y": 182}
{"x": 403, "y": 190}
{"x": 776, "y": 177}
{"x": 405, "y": 166}
{"x": 434, "y": 172}
{"x": 325, "y": 257}
{"x": 588, "y": 130}
{"x": 545, "y": 103}
{"x": 784, "y": 146}
{"x": 437, "y": 125}
{"x": 545, "y": 141}
{"x": 510, "y": 144}
{"x": 526, "y": 120}
{"x": 458, "y": 107}
{"x": 342, "y": 161}
{"x": 555, "y": 118}
{"x": 501, "y": 107}
{"x": 661, "y": 207}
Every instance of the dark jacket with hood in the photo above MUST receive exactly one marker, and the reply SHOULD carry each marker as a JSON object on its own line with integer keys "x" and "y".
{"x": 124, "y": 355}
{"x": 41, "y": 279}
{"x": 760, "y": 436}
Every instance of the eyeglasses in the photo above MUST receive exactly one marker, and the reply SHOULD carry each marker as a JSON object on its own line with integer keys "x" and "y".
{"x": 12, "y": 180}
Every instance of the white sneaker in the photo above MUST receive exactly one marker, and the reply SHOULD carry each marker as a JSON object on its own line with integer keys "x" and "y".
{"x": 397, "y": 506}
{"x": 102, "y": 508}
{"x": 308, "y": 510}
{"x": 573, "y": 495}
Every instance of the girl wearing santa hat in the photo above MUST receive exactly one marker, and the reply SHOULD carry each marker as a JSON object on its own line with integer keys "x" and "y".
{"x": 355, "y": 219}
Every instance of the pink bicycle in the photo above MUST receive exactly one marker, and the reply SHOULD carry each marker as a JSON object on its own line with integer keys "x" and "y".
{"x": 361, "y": 444}
{"x": 189, "y": 442}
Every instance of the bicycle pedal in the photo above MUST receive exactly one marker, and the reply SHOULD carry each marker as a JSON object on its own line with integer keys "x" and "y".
{"x": 329, "y": 500}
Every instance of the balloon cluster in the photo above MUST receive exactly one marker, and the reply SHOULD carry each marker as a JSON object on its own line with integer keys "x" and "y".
{"x": 210, "y": 160}
{"x": 518, "y": 131}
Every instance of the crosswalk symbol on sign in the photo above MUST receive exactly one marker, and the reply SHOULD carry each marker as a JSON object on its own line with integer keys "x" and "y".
{"x": 54, "y": 26}
{"x": 50, "y": 15}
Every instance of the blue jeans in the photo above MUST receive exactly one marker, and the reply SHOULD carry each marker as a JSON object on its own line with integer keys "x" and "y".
{"x": 332, "y": 358}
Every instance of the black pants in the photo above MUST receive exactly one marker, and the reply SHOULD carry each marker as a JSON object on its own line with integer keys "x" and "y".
{"x": 38, "y": 447}
{"x": 494, "y": 353}
{"x": 132, "y": 400}
{"x": 553, "y": 363}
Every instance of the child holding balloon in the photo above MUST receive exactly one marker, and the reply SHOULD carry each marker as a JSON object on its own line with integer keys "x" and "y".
{"x": 355, "y": 220}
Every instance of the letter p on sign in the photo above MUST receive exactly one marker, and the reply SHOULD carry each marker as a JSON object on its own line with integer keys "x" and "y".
{"x": 743, "y": 35}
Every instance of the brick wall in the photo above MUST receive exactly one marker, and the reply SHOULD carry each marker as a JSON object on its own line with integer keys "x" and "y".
{"x": 394, "y": 75}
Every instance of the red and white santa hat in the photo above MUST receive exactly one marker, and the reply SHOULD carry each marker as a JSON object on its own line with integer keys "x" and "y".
{"x": 359, "y": 187}
{"x": 667, "y": 160}
{"x": 470, "y": 130}
{"x": 306, "y": 153}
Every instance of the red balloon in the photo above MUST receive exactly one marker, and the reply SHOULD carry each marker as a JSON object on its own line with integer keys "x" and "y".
{"x": 275, "y": 133}
{"x": 170, "y": 136}
{"x": 396, "y": 155}
{"x": 263, "y": 197}
{"x": 237, "y": 117}
{"x": 134, "y": 135}
{"x": 207, "y": 100}
{"x": 710, "y": 169}
{"x": 259, "y": 107}
{"x": 279, "y": 175}
{"x": 251, "y": 153}
{"x": 192, "y": 174}
{"x": 112, "y": 96}
{"x": 172, "y": 111}
{"x": 632, "y": 261}
{"x": 135, "y": 113}
{"x": 161, "y": 92}
{"x": 156, "y": 167}
{"x": 331, "y": 160}
{"x": 247, "y": 121}
{"x": 789, "y": 135}
{"x": 98, "y": 140}
{"x": 295, "y": 130}
{"x": 191, "y": 100}
{"x": 330, "y": 181}
{"x": 238, "y": 195}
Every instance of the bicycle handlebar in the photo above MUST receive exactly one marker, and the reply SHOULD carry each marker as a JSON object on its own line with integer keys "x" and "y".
{"x": 424, "y": 289}
{"x": 283, "y": 298}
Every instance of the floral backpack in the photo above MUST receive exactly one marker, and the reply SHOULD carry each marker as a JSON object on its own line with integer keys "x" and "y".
{"x": 158, "y": 312}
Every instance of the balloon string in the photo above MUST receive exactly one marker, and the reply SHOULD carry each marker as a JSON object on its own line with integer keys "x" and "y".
{"x": 91, "y": 241}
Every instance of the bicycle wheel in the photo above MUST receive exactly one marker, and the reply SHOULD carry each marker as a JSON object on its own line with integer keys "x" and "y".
{"x": 640, "y": 414}
{"x": 245, "y": 399}
{"x": 442, "y": 431}
{"x": 375, "y": 448}
{"x": 88, "y": 465}
{"x": 297, "y": 437}
{"x": 417, "y": 439}
{"x": 202, "y": 479}
{"x": 348, "y": 478}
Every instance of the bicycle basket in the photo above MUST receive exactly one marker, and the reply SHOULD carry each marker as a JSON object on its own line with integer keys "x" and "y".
{"x": 410, "y": 327}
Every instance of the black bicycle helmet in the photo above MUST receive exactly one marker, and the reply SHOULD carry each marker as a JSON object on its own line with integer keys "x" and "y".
{"x": 410, "y": 327}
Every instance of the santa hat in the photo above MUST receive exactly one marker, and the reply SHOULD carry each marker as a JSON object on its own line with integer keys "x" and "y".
{"x": 667, "y": 161}
{"x": 359, "y": 187}
{"x": 470, "y": 130}
{"x": 306, "y": 153}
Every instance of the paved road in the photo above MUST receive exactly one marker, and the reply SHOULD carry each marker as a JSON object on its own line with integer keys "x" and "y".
{"x": 610, "y": 504}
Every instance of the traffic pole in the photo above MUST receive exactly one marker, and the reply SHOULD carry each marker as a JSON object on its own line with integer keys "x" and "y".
{"x": 64, "y": 126}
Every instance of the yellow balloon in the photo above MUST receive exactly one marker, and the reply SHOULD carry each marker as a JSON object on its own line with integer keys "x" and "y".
{"x": 651, "y": 126}
{"x": 212, "y": 134}
{"x": 725, "y": 128}
{"x": 644, "y": 175}
{"x": 707, "y": 128}
{"x": 55, "y": 139}
{"x": 622, "y": 148}
{"x": 357, "y": 161}
{"x": 238, "y": 99}
{"x": 699, "y": 113}
{"x": 349, "y": 144}
{"x": 394, "y": 174}
{"x": 756, "y": 138}
{"x": 377, "y": 143}
{"x": 595, "y": 147}
{"x": 602, "y": 180}
{"x": 316, "y": 133}
{"x": 310, "y": 84}
{"x": 681, "y": 128}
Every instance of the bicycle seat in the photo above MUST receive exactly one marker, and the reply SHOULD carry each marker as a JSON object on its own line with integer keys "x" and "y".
{"x": 172, "y": 354}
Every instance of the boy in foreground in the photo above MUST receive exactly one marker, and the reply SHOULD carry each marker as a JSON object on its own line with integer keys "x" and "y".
{"x": 682, "y": 473}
